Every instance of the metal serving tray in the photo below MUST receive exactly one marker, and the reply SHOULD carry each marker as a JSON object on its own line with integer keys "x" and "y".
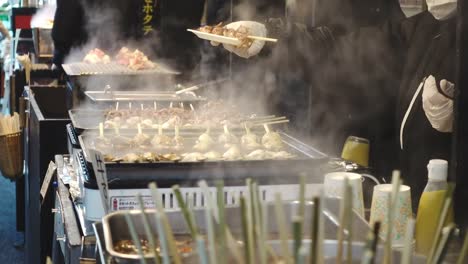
{"x": 115, "y": 229}
{"x": 86, "y": 119}
{"x": 137, "y": 96}
{"x": 308, "y": 160}
{"x": 112, "y": 68}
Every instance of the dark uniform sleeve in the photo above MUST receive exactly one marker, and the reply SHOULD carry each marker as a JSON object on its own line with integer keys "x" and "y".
{"x": 68, "y": 29}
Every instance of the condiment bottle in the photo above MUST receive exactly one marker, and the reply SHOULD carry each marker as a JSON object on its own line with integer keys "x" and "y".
{"x": 431, "y": 205}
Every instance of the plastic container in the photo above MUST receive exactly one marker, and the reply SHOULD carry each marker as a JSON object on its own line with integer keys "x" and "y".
{"x": 431, "y": 205}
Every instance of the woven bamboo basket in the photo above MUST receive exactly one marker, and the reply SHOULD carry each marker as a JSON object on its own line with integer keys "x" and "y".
{"x": 11, "y": 156}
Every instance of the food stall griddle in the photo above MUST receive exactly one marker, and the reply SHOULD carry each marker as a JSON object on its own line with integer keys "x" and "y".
{"x": 167, "y": 173}
{"x": 112, "y": 68}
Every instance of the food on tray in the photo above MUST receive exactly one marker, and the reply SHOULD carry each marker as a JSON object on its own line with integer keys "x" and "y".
{"x": 233, "y": 153}
{"x": 213, "y": 155}
{"x": 96, "y": 56}
{"x": 204, "y": 142}
{"x": 183, "y": 245}
{"x": 272, "y": 141}
{"x": 227, "y": 139}
{"x": 135, "y": 60}
{"x": 193, "y": 157}
{"x": 141, "y": 139}
{"x": 161, "y": 140}
{"x": 249, "y": 141}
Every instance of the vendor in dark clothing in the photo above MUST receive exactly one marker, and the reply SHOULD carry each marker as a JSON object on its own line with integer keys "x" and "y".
{"x": 414, "y": 61}
{"x": 158, "y": 27}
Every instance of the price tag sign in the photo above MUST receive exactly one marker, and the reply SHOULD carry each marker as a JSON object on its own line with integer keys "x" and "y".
{"x": 48, "y": 177}
{"x": 99, "y": 168}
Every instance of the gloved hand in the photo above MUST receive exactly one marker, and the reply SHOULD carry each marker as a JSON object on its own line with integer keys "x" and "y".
{"x": 438, "y": 107}
{"x": 255, "y": 29}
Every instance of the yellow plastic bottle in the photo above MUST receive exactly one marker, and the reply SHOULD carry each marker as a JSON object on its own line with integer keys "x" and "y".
{"x": 430, "y": 205}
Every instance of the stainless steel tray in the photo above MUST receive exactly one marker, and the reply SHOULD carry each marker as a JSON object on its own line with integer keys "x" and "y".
{"x": 115, "y": 227}
{"x": 138, "y": 96}
{"x": 112, "y": 68}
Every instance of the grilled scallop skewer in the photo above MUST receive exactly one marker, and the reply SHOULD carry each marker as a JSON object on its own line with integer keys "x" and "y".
{"x": 233, "y": 153}
{"x": 140, "y": 139}
{"x": 272, "y": 140}
{"x": 178, "y": 140}
{"x": 204, "y": 142}
{"x": 161, "y": 140}
{"x": 249, "y": 141}
{"x": 227, "y": 139}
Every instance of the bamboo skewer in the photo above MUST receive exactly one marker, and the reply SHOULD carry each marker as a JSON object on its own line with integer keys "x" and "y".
{"x": 261, "y": 235}
{"x": 250, "y": 219}
{"x": 447, "y": 233}
{"x": 342, "y": 224}
{"x": 185, "y": 211}
{"x": 408, "y": 248}
{"x": 263, "y": 39}
{"x": 442, "y": 219}
{"x": 396, "y": 183}
{"x": 297, "y": 236}
{"x": 201, "y": 250}
{"x": 464, "y": 250}
{"x": 221, "y": 222}
{"x": 101, "y": 130}
{"x": 162, "y": 239}
{"x": 280, "y": 221}
{"x": 247, "y": 247}
{"x": 314, "y": 229}
{"x": 135, "y": 238}
{"x": 209, "y": 221}
{"x": 349, "y": 223}
{"x": 165, "y": 222}
{"x": 148, "y": 231}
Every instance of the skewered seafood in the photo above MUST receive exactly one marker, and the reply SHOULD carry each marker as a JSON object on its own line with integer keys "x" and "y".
{"x": 150, "y": 157}
{"x": 140, "y": 139}
{"x": 233, "y": 153}
{"x": 272, "y": 140}
{"x": 193, "y": 157}
{"x": 132, "y": 157}
{"x": 96, "y": 56}
{"x": 134, "y": 60}
{"x": 259, "y": 154}
{"x": 204, "y": 142}
{"x": 213, "y": 155}
{"x": 178, "y": 140}
{"x": 227, "y": 139}
{"x": 242, "y": 33}
{"x": 161, "y": 140}
{"x": 169, "y": 157}
{"x": 249, "y": 141}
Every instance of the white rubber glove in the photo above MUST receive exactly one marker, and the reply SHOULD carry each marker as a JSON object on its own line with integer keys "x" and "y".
{"x": 438, "y": 107}
{"x": 255, "y": 29}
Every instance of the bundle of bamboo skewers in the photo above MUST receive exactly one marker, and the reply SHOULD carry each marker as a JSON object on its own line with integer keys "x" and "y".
{"x": 217, "y": 245}
{"x": 9, "y": 124}
{"x": 11, "y": 157}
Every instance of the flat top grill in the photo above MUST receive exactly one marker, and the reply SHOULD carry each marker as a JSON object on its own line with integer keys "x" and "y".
{"x": 112, "y": 68}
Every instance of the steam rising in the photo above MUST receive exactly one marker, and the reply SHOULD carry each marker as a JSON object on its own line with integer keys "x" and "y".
{"x": 324, "y": 94}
